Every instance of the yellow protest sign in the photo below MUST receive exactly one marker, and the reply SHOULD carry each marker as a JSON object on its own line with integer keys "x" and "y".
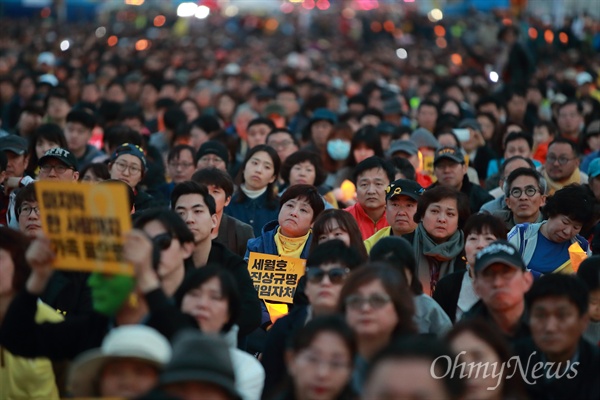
{"x": 275, "y": 278}
{"x": 85, "y": 223}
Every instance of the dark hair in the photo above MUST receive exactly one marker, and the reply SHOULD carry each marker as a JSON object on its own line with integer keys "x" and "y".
{"x": 83, "y": 117}
{"x": 394, "y": 285}
{"x": 215, "y": 177}
{"x": 172, "y": 222}
{"x": 559, "y": 285}
{"x": 398, "y": 253}
{"x": 573, "y": 201}
{"x": 488, "y": 100}
{"x": 308, "y": 192}
{"x": 483, "y": 222}
{"x": 371, "y": 111}
{"x": 570, "y": 102}
{"x": 513, "y": 387}
{"x": 3, "y": 161}
{"x": 513, "y": 158}
{"x": 562, "y": 140}
{"x": 208, "y": 123}
{"x": 271, "y": 196}
{"x": 261, "y": 121}
{"x": 229, "y": 289}
{"x": 589, "y": 272}
{"x": 26, "y": 193}
{"x": 440, "y": 193}
{"x": 403, "y": 166}
{"x": 287, "y": 89}
{"x": 176, "y": 151}
{"x": 50, "y": 132}
{"x": 282, "y": 130}
{"x": 374, "y": 162}
{"x": 428, "y": 103}
{"x": 16, "y": 243}
{"x": 303, "y": 338}
{"x": 191, "y": 187}
{"x": 131, "y": 112}
{"x": 331, "y": 252}
{"x": 116, "y": 135}
{"x": 300, "y": 157}
{"x": 511, "y": 137}
{"x": 98, "y": 169}
{"x": 552, "y": 129}
{"x": 423, "y": 348}
{"x": 525, "y": 172}
{"x": 346, "y": 222}
{"x": 368, "y": 136}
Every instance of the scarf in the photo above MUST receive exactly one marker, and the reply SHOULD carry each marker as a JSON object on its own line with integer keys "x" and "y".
{"x": 439, "y": 256}
{"x": 252, "y": 194}
{"x": 290, "y": 247}
{"x": 554, "y": 186}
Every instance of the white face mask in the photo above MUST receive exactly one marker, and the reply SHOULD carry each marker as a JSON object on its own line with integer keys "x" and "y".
{"x": 338, "y": 149}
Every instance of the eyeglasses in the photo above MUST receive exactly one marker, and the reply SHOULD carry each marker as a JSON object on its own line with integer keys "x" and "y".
{"x": 162, "y": 241}
{"x": 133, "y": 169}
{"x": 180, "y": 165}
{"x": 336, "y": 275}
{"x": 530, "y": 191}
{"x": 375, "y": 301}
{"x": 27, "y": 210}
{"x": 315, "y": 362}
{"x": 561, "y": 160}
{"x": 211, "y": 160}
{"x": 59, "y": 168}
{"x": 284, "y": 144}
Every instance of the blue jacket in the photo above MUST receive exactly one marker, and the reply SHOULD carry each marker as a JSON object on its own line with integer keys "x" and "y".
{"x": 265, "y": 243}
{"x": 254, "y": 212}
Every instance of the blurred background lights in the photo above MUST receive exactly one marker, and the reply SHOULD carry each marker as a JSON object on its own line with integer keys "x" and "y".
{"x": 141, "y": 44}
{"x": 435, "y": 15}
{"x": 202, "y": 12}
{"x": 100, "y": 32}
{"x": 494, "y": 76}
{"x": 64, "y": 45}
{"x": 402, "y": 54}
{"x": 231, "y": 11}
{"x": 159, "y": 20}
{"x": 186, "y": 9}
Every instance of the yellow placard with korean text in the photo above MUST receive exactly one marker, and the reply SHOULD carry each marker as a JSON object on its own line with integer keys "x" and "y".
{"x": 275, "y": 278}
{"x": 85, "y": 223}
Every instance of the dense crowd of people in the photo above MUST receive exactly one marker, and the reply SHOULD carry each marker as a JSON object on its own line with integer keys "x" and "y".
{"x": 448, "y": 218}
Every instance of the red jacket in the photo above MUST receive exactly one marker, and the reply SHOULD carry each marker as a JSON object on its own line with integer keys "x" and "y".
{"x": 365, "y": 223}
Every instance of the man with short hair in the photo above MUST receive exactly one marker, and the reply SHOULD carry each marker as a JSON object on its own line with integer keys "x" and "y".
{"x": 515, "y": 144}
{"x": 524, "y": 193}
{"x": 58, "y": 164}
{"x": 194, "y": 204}
{"x": 427, "y": 114}
{"x": 508, "y": 166}
{"x": 562, "y": 165}
{"x": 450, "y": 169}
{"x": 257, "y": 131}
{"x": 557, "y": 306}
{"x": 371, "y": 177}
{"x": 180, "y": 167}
{"x": 570, "y": 120}
{"x": 401, "y": 199}
{"x": 15, "y": 149}
{"x": 231, "y": 232}
{"x": 501, "y": 281}
{"x": 78, "y": 132}
{"x": 283, "y": 141}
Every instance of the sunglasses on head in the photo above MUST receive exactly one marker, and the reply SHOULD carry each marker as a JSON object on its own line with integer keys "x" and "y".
{"x": 162, "y": 241}
{"x": 336, "y": 275}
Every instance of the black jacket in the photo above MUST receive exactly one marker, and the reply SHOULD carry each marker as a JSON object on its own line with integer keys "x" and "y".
{"x": 584, "y": 385}
{"x": 251, "y": 307}
{"x": 447, "y": 292}
{"x": 234, "y": 234}
{"x": 274, "y": 351}
{"x": 479, "y": 310}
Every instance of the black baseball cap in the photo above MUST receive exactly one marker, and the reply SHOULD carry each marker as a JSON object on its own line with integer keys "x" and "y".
{"x": 452, "y": 153}
{"x": 63, "y": 155}
{"x": 213, "y": 147}
{"x": 405, "y": 187}
{"x": 501, "y": 252}
{"x": 14, "y": 143}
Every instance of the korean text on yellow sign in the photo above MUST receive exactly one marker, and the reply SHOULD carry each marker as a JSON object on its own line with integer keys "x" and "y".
{"x": 85, "y": 223}
{"x": 275, "y": 278}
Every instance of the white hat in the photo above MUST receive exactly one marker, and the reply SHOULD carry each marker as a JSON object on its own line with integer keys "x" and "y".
{"x": 583, "y": 78}
{"x": 131, "y": 341}
{"x": 46, "y": 58}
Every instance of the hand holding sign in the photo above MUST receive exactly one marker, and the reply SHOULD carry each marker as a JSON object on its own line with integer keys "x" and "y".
{"x": 138, "y": 251}
{"x": 40, "y": 257}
